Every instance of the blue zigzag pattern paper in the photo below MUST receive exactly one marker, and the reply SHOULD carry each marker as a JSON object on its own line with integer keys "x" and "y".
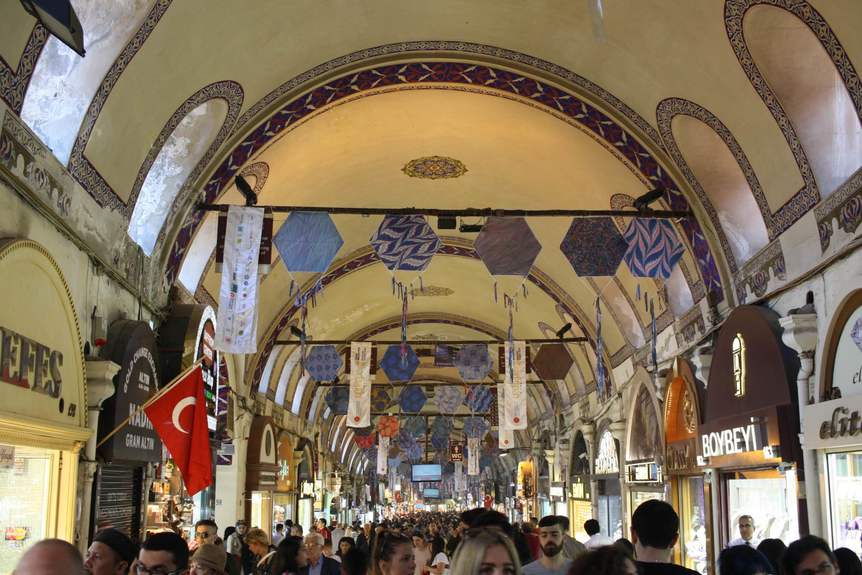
{"x": 448, "y": 398}
{"x": 405, "y": 243}
{"x": 653, "y": 248}
{"x": 479, "y": 398}
{"x": 476, "y": 427}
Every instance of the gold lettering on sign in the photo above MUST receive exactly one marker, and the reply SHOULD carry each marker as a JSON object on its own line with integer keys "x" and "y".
{"x": 29, "y": 364}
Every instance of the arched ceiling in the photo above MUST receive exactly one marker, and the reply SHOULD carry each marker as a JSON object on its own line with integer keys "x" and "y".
{"x": 547, "y": 104}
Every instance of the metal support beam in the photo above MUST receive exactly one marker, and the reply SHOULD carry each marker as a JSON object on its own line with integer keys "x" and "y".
{"x": 433, "y": 341}
{"x": 428, "y": 383}
{"x": 466, "y": 212}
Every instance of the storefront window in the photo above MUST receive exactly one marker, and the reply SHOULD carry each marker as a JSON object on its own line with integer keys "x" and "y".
{"x": 24, "y": 496}
{"x": 845, "y": 499}
{"x": 769, "y": 497}
{"x": 692, "y": 526}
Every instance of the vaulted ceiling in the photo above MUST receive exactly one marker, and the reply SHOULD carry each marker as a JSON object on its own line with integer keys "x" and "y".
{"x": 747, "y": 111}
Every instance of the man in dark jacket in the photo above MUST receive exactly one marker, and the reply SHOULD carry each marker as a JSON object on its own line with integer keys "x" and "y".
{"x": 317, "y": 563}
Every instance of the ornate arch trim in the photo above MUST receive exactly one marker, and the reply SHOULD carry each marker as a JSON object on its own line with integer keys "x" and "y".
{"x": 13, "y": 83}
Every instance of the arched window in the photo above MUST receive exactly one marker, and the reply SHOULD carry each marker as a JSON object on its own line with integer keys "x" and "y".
{"x": 299, "y": 393}
{"x": 720, "y": 177}
{"x": 263, "y": 386}
{"x": 64, "y": 83}
{"x": 182, "y": 151}
{"x": 811, "y": 91}
{"x": 738, "y": 353}
{"x": 286, "y": 373}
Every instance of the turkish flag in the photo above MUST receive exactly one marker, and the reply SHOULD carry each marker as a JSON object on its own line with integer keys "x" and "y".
{"x": 180, "y": 418}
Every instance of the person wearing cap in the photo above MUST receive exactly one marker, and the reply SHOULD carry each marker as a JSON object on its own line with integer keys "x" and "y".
{"x": 111, "y": 553}
{"x": 209, "y": 559}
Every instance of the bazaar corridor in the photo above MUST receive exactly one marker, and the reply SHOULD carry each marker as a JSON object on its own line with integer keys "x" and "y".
{"x": 379, "y": 287}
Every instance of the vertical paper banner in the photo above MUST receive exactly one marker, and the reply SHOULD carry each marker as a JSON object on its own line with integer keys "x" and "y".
{"x": 506, "y": 435}
{"x": 459, "y": 477}
{"x": 472, "y": 456}
{"x": 359, "y": 404}
{"x": 237, "y": 310}
{"x": 515, "y": 394}
{"x": 382, "y": 454}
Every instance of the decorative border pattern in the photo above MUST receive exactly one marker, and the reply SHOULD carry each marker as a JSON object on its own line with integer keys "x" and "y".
{"x": 665, "y": 112}
{"x": 734, "y": 13}
{"x": 434, "y": 168}
{"x": 13, "y": 83}
{"x": 755, "y": 274}
{"x": 691, "y": 326}
{"x": 844, "y": 206}
{"x": 229, "y": 91}
{"x": 79, "y": 166}
{"x": 440, "y": 73}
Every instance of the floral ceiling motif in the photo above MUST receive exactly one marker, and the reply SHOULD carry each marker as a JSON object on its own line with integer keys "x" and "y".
{"x": 434, "y": 168}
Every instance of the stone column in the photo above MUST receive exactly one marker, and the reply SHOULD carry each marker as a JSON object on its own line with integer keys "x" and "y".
{"x": 100, "y": 386}
{"x": 800, "y": 335}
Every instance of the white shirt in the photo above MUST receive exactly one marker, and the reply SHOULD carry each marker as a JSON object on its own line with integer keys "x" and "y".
{"x": 740, "y": 541}
{"x": 598, "y": 540}
{"x": 336, "y": 534}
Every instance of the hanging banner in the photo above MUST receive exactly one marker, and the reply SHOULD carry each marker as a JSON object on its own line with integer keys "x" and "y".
{"x": 237, "y": 312}
{"x": 472, "y": 456}
{"x": 515, "y": 384}
{"x": 359, "y": 405}
{"x": 460, "y": 484}
{"x": 506, "y": 437}
{"x": 382, "y": 454}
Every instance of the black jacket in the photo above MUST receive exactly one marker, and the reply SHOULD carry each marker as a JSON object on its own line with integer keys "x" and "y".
{"x": 329, "y": 567}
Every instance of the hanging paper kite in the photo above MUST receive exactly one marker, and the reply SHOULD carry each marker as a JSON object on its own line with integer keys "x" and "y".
{"x": 440, "y": 440}
{"x": 308, "y": 242}
{"x": 405, "y": 243}
{"x": 412, "y": 399}
{"x": 448, "y": 398}
{"x": 444, "y": 355}
{"x": 415, "y": 452}
{"x": 414, "y": 425}
{"x": 387, "y": 426}
{"x": 398, "y": 368}
{"x": 405, "y": 439}
{"x": 473, "y": 362}
{"x": 600, "y": 359}
{"x": 337, "y": 399}
{"x": 653, "y": 248}
{"x": 475, "y": 427}
{"x": 323, "y": 363}
{"x": 594, "y": 246}
{"x": 507, "y": 246}
{"x": 441, "y": 429}
{"x": 479, "y": 398}
{"x": 380, "y": 399}
{"x": 553, "y": 361}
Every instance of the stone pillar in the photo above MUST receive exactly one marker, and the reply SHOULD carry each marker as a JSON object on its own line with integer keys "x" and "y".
{"x": 800, "y": 335}
{"x": 100, "y": 386}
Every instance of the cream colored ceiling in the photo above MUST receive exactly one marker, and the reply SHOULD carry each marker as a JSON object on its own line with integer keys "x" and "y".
{"x": 15, "y": 28}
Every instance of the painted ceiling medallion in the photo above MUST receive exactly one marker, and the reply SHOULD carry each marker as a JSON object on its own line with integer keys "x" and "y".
{"x": 434, "y": 168}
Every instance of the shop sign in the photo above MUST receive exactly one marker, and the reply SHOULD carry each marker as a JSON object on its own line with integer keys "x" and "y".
{"x": 557, "y": 491}
{"x": 607, "y": 462}
{"x": 131, "y": 344}
{"x": 7, "y": 456}
{"x": 456, "y": 452}
{"x": 847, "y": 368}
{"x": 732, "y": 441}
{"x": 836, "y": 423}
{"x": 580, "y": 489}
{"x": 27, "y": 363}
{"x": 682, "y": 456}
{"x": 649, "y": 472}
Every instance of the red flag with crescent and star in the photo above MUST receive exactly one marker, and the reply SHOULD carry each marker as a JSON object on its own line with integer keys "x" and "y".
{"x": 179, "y": 417}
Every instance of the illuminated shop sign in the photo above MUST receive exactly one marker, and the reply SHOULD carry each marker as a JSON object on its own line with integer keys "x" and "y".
{"x": 732, "y": 441}
{"x": 649, "y": 472}
{"x": 607, "y": 461}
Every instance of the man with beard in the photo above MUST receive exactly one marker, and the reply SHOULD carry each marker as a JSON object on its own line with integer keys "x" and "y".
{"x": 552, "y": 561}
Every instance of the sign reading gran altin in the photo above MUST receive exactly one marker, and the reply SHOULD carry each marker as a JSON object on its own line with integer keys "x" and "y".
{"x": 29, "y": 364}
{"x": 732, "y": 441}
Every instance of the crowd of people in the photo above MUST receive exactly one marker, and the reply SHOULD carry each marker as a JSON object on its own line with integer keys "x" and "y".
{"x": 476, "y": 542}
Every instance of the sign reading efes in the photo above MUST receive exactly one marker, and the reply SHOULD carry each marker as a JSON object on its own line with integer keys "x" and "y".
{"x": 29, "y": 364}
{"x": 732, "y": 441}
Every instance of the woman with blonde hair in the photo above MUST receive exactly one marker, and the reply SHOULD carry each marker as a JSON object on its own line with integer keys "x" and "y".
{"x": 485, "y": 551}
{"x": 258, "y": 541}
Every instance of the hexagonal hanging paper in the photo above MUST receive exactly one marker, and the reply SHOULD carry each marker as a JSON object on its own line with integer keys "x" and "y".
{"x": 440, "y": 440}
{"x": 476, "y": 427}
{"x": 405, "y": 439}
{"x": 448, "y": 398}
{"x": 653, "y": 248}
{"x": 415, "y": 452}
{"x": 553, "y": 361}
{"x": 412, "y": 398}
{"x": 387, "y": 426}
{"x": 479, "y": 398}
{"x": 405, "y": 243}
{"x": 414, "y": 425}
{"x": 396, "y": 368}
{"x": 380, "y": 399}
{"x": 594, "y": 246}
{"x": 323, "y": 363}
{"x": 507, "y": 246}
{"x": 308, "y": 241}
{"x": 337, "y": 398}
{"x": 473, "y": 362}
{"x": 442, "y": 425}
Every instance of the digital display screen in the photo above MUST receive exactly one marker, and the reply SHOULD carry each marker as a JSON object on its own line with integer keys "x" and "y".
{"x": 430, "y": 493}
{"x": 427, "y": 472}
